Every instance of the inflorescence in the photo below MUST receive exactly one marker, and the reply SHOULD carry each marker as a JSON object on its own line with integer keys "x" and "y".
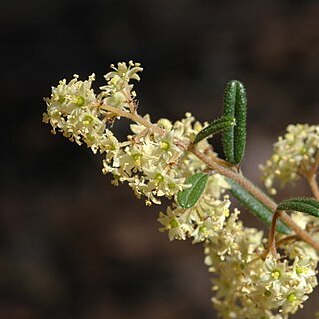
{"x": 155, "y": 162}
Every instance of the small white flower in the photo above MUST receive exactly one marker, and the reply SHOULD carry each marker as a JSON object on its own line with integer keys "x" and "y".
{"x": 293, "y": 154}
{"x": 119, "y": 92}
{"x": 174, "y": 221}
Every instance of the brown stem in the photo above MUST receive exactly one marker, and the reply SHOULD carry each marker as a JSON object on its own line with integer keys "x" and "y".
{"x": 312, "y": 181}
{"x": 134, "y": 117}
{"x": 237, "y": 177}
{"x": 271, "y": 238}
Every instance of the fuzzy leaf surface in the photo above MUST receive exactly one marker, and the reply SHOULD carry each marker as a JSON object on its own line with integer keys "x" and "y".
{"x": 234, "y": 138}
{"x": 305, "y": 205}
{"x": 214, "y": 127}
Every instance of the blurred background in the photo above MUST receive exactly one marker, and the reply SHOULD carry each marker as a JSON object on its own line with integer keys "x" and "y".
{"x": 73, "y": 245}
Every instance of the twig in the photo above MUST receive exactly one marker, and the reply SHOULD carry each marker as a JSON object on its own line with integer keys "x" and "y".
{"x": 272, "y": 232}
{"x": 134, "y": 117}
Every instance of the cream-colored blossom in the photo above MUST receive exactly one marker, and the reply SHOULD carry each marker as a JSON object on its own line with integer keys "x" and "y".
{"x": 248, "y": 287}
{"x": 148, "y": 163}
{"x": 280, "y": 286}
{"x": 119, "y": 91}
{"x": 176, "y": 223}
{"x": 155, "y": 165}
{"x": 73, "y": 109}
{"x": 293, "y": 154}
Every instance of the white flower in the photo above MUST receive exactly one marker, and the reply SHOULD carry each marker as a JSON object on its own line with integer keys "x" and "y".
{"x": 248, "y": 287}
{"x": 73, "y": 109}
{"x": 293, "y": 154}
{"x": 119, "y": 92}
{"x": 175, "y": 222}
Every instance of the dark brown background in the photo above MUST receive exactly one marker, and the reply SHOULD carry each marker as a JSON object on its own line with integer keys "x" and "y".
{"x": 72, "y": 245}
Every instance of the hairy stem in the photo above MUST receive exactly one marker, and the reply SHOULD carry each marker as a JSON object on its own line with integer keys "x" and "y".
{"x": 237, "y": 177}
{"x": 134, "y": 117}
{"x": 272, "y": 233}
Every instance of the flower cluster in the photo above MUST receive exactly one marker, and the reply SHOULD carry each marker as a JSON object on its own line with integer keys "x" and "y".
{"x": 152, "y": 162}
{"x": 148, "y": 159}
{"x": 77, "y": 112}
{"x": 72, "y": 110}
{"x": 246, "y": 286}
{"x": 119, "y": 91}
{"x": 294, "y": 154}
{"x": 249, "y": 287}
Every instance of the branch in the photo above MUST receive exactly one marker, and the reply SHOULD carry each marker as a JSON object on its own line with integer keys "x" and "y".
{"x": 225, "y": 171}
{"x": 134, "y": 117}
{"x": 271, "y": 237}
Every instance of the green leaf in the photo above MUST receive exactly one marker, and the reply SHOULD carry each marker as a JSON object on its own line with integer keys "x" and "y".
{"x": 306, "y": 200}
{"x": 234, "y": 138}
{"x": 216, "y": 126}
{"x": 257, "y": 208}
{"x": 188, "y": 197}
{"x": 301, "y": 204}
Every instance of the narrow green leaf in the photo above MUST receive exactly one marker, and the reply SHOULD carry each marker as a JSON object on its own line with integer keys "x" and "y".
{"x": 305, "y": 200}
{"x": 301, "y": 204}
{"x": 214, "y": 127}
{"x": 235, "y": 105}
{"x": 188, "y": 197}
{"x": 229, "y": 110}
{"x": 256, "y": 207}
{"x": 240, "y": 129}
